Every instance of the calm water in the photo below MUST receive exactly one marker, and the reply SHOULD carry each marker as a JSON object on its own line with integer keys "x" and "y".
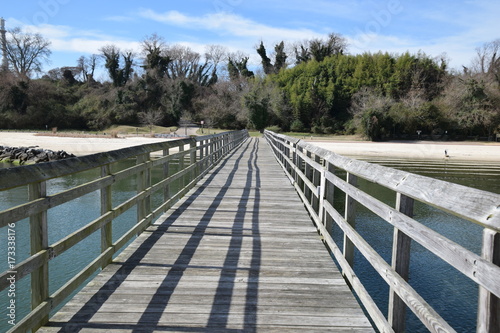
{"x": 451, "y": 294}
{"x": 62, "y": 221}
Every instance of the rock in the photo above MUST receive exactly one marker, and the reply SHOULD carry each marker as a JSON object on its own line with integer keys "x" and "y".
{"x": 30, "y": 155}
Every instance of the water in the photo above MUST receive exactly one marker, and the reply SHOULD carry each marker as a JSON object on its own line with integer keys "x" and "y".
{"x": 449, "y": 292}
{"x": 62, "y": 221}
{"x": 453, "y": 296}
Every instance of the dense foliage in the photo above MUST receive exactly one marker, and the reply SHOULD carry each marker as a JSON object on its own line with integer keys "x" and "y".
{"x": 326, "y": 90}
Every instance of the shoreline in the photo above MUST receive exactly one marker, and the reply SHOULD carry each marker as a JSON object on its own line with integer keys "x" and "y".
{"x": 423, "y": 150}
{"x": 78, "y": 146}
{"x": 419, "y": 150}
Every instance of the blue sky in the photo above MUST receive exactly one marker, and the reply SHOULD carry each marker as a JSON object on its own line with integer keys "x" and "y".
{"x": 78, "y": 28}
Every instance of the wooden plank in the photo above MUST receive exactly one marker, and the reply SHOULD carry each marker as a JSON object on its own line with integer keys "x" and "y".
{"x": 106, "y": 206}
{"x": 39, "y": 241}
{"x": 470, "y": 264}
{"x": 478, "y": 206}
{"x": 488, "y": 304}
{"x": 234, "y": 258}
{"x": 429, "y": 317}
{"x": 350, "y": 217}
{"x": 44, "y": 171}
{"x": 401, "y": 264}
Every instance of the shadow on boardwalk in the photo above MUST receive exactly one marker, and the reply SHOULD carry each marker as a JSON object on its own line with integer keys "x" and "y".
{"x": 218, "y": 318}
{"x": 238, "y": 254}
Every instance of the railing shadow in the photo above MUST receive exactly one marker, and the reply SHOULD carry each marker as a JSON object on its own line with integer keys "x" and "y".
{"x": 219, "y": 315}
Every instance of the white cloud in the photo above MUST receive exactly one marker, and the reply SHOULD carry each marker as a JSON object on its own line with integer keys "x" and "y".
{"x": 68, "y": 39}
{"x": 89, "y": 46}
{"x": 229, "y": 24}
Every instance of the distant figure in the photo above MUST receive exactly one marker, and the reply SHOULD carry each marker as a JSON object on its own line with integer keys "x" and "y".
{"x": 446, "y": 153}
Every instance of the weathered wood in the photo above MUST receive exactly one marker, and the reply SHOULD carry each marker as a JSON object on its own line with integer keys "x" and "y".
{"x": 429, "y": 317}
{"x": 166, "y": 171}
{"x": 142, "y": 179}
{"x": 350, "y": 217}
{"x": 489, "y": 304}
{"x": 348, "y": 272}
{"x": 401, "y": 264}
{"x": 39, "y": 202}
{"x": 465, "y": 261}
{"x": 39, "y": 240}
{"x": 106, "y": 206}
{"x": 218, "y": 263}
{"x": 477, "y": 206}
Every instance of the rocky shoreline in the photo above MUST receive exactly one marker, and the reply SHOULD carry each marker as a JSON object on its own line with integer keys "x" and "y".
{"x": 30, "y": 155}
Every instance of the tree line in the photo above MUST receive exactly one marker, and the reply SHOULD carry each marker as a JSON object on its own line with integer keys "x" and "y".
{"x": 313, "y": 86}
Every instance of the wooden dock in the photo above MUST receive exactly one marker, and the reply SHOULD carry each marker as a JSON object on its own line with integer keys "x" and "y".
{"x": 238, "y": 253}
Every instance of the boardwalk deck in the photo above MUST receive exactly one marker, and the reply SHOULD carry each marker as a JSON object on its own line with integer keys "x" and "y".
{"x": 238, "y": 254}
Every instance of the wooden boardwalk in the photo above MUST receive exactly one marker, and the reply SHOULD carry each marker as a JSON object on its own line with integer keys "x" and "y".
{"x": 239, "y": 253}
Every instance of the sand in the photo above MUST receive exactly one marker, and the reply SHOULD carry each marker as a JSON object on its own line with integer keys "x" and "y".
{"x": 410, "y": 150}
{"x": 77, "y": 146}
{"x": 459, "y": 151}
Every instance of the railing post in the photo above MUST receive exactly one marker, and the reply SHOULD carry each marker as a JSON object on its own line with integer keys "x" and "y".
{"x": 106, "y": 206}
{"x": 206, "y": 153}
{"x": 401, "y": 264}
{"x": 329, "y": 191}
{"x": 488, "y": 317}
{"x": 294, "y": 162}
{"x": 298, "y": 179}
{"x": 143, "y": 182}
{"x": 215, "y": 143}
{"x": 213, "y": 149}
{"x": 192, "y": 160}
{"x": 166, "y": 172}
{"x": 350, "y": 217}
{"x": 317, "y": 175}
{"x": 181, "y": 164}
{"x": 39, "y": 241}
{"x": 322, "y": 193}
{"x": 309, "y": 172}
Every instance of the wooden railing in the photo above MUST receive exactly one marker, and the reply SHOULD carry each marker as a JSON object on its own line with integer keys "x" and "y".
{"x": 195, "y": 157}
{"x": 313, "y": 170}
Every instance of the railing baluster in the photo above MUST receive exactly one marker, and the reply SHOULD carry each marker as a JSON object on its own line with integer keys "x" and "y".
{"x": 181, "y": 164}
{"x": 401, "y": 264}
{"x": 328, "y": 196}
{"x": 39, "y": 240}
{"x": 350, "y": 217}
{"x": 166, "y": 172}
{"x": 38, "y": 210}
{"x": 488, "y": 304}
{"x": 316, "y": 180}
{"x": 106, "y": 206}
{"x": 192, "y": 159}
{"x": 143, "y": 182}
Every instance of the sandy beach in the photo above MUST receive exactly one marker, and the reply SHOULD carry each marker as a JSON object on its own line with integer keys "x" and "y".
{"x": 77, "y": 146}
{"x": 463, "y": 151}
{"x": 460, "y": 151}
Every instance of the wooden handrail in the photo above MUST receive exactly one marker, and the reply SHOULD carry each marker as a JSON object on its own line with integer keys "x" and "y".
{"x": 312, "y": 171}
{"x": 201, "y": 154}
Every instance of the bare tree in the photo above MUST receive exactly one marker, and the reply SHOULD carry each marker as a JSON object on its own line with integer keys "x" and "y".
{"x": 215, "y": 54}
{"x": 27, "y": 52}
{"x": 487, "y": 60}
{"x": 87, "y": 66}
{"x": 186, "y": 64}
{"x": 150, "y": 118}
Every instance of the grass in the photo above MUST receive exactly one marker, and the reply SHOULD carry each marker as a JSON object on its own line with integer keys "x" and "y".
{"x": 125, "y": 130}
{"x": 130, "y": 130}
